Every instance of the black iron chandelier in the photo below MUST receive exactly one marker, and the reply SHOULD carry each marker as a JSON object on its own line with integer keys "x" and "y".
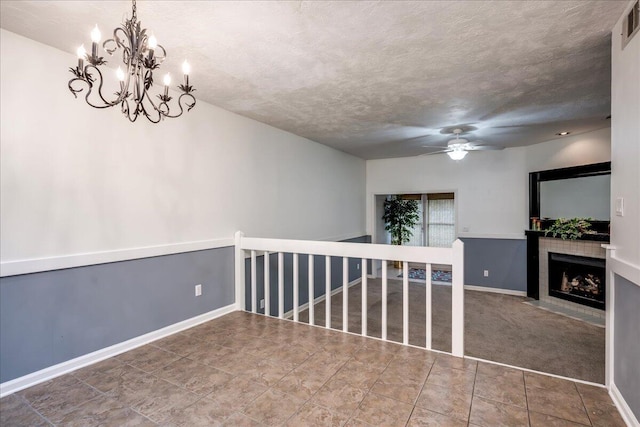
{"x": 141, "y": 56}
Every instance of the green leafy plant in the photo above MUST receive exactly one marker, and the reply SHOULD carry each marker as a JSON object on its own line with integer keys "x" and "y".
{"x": 400, "y": 216}
{"x": 570, "y": 228}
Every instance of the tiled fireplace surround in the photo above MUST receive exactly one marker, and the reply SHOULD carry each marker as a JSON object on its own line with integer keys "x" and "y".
{"x": 587, "y": 248}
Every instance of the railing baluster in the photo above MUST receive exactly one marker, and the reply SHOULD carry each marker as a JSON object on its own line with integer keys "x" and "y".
{"x": 405, "y": 302}
{"x": 384, "y": 300}
{"x": 364, "y": 296}
{"x": 327, "y": 292}
{"x": 345, "y": 294}
{"x": 429, "y": 306}
{"x": 254, "y": 295}
{"x": 280, "y": 285}
{"x": 312, "y": 312}
{"x": 267, "y": 286}
{"x": 296, "y": 290}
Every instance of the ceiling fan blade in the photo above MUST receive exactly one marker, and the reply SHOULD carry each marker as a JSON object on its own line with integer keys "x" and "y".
{"x": 442, "y": 150}
{"x": 484, "y": 147}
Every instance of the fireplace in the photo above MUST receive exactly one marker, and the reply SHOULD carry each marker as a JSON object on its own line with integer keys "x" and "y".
{"x": 578, "y": 279}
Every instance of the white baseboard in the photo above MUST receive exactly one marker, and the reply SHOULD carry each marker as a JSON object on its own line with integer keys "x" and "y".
{"x": 495, "y": 290}
{"x": 46, "y": 374}
{"x": 321, "y": 298}
{"x": 624, "y": 409}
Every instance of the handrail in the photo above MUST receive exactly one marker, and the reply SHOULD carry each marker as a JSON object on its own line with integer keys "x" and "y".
{"x": 350, "y": 250}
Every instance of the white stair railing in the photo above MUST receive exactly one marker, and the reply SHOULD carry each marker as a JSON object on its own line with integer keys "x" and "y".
{"x": 254, "y": 247}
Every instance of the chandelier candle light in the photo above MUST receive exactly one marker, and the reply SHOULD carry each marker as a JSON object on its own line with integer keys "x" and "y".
{"x": 141, "y": 55}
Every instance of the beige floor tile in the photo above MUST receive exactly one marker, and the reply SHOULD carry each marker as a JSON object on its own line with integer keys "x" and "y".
{"x": 210, "y": 353}
{"x": 289, "y": 356}
{"x": 404, "y": 389}
{"x": 424, "y": 418}
{"x": 273, "y": 408}
{"x": 312, "y": 415}
{"x": 339, "y": 395}
{"x": 488, "y": 413}
{"x": 266, "y": 373}
{"x": 303, "y": 383}
{"x": 101, "y": 367}
{"x": 240, "y": 420}
{"x": 549, "y": 383}
{"x": 603, "y": 414}
{"x": 133, "y": 387}
{"x": 462, "y": 380}
{"x": 115, "y": 377}
{"x": 591, "y": 393}
{"x": 16, "y": 412}
{"x": 543, "y": 420}
{"x": 383, "y": 411}
{"x": 204, "y": 412}
{"x": 447, "y": 401}
{"x": 331, "y": 362}
{"x": 236, "y": 393}
{"x": 359, "y": 374}
{"x": 236, "y": 363}
{"x": 418, "y": 367}
{"x": 148, "y": 358}
{"x": 560, "y": 404}
{"x": 507, "y": 389}
{"x": 103, "y": 411}
{"x": 342, "y": 347}
{"x": 190, "y": 375}
{"x": 373, "y": 358}
{"x": 163, "y": 400}
{"x": 354, "y": 422}
{"x": 180, "y": 344}
{"x": 498, "y": 371}
{"x": 56, "y": 398}
{"x": 446, "y": 361}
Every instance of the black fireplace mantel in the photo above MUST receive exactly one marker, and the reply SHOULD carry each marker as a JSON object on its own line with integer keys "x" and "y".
{"x": 597, "y": 237}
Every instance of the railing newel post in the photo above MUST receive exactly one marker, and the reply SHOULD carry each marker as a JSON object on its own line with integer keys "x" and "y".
{"x": 239, "y": 271}
{"x": 457, "y": 299}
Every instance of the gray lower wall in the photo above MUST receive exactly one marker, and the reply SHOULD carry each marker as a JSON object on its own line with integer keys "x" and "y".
{"x": 626, "y": 345}
{"x": 506, "y": 260}
{"x": 51, "y": 317}
{"x": 303, "y": 275}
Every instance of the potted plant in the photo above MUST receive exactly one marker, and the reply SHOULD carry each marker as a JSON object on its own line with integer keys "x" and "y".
{"x": 571, "y": 228}
{"x": 400, "y": 216}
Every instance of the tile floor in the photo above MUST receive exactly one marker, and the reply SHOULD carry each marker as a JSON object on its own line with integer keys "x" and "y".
{"x": 249, "y": 370}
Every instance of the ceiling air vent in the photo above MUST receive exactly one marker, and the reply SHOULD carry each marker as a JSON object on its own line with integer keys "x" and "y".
{"x": 631, "y": 24}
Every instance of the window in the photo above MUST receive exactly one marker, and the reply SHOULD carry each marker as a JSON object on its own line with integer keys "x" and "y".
{"x": 440, "y": 219}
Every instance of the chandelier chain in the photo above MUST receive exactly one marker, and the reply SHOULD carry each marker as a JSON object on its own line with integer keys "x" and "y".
{"x": 134, "y": 16}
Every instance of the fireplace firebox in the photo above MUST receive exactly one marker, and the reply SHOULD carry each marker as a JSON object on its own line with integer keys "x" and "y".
{"x": 578, "y": 279}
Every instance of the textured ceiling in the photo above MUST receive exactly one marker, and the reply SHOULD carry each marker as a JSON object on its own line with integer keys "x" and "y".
{"x": 375, "y": 79}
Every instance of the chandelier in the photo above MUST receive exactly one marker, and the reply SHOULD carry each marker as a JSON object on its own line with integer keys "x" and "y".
{"x": 141, "y": 56}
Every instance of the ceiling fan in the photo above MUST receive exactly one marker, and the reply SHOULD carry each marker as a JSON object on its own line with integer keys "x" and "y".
{"x": 457, "y": 148}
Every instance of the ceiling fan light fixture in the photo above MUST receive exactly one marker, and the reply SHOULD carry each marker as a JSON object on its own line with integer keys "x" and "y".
{"x": 457, "y": 154}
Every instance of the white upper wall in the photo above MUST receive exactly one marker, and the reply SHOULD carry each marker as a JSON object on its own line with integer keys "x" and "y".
{"x": 75, "y": 179}
{"x": 492, "y": 187}
{"x": 625, "y": 145}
